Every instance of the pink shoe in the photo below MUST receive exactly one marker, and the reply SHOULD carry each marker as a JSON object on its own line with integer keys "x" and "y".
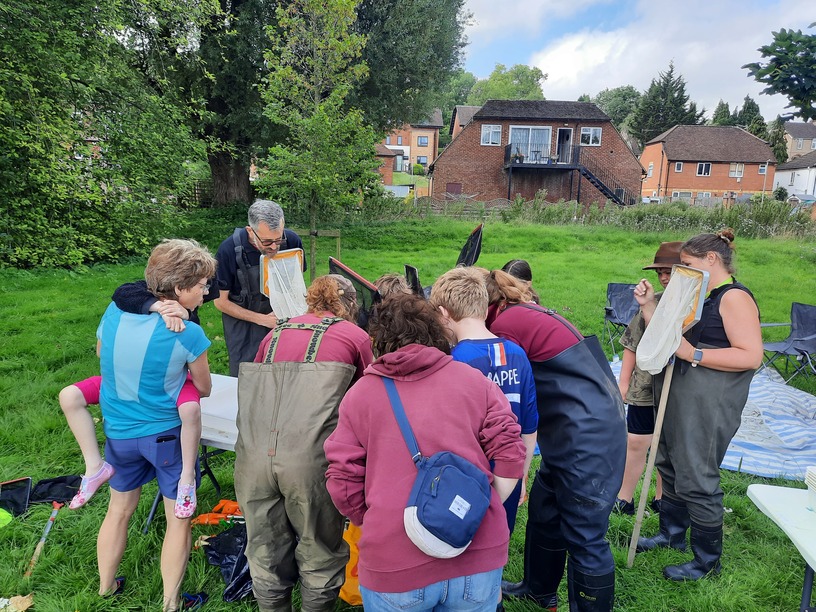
{"x": 91, "y": 484}
{"x": 185, "y": 501}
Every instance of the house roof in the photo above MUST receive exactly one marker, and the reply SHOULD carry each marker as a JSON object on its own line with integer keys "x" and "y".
{"x": 462, "y": 115}
{"x": 798, "y": 129}
{"x": 808, "y": 160}
{"x": 382, "y": 151}
{"x": 713, "y": 143}
{"x": 434, "y": 121}
{"x": 559, "y": 110}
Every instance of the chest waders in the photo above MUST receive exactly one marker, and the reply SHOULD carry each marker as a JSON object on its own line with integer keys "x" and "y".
{"x": 242, "y": 337}
{"x": 286, "y": 410}
{"x": 582, "y": 438}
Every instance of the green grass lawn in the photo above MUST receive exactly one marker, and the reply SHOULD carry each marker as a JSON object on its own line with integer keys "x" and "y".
{"x": 48, "y": 339}
{"x": 403, "y": 178}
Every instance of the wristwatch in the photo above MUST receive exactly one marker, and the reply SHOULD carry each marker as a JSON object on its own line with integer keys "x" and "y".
{"x": 698, "y": 357}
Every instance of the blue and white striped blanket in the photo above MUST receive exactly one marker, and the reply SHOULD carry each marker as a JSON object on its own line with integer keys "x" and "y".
{"x": 777, "y": 437}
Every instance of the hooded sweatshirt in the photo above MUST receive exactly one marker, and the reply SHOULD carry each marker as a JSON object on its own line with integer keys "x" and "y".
{"x": 450, "y": 406}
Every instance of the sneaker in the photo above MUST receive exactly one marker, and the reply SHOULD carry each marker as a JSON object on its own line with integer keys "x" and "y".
{"x": 624, "y": 507}
{"x": 185, "y": 501}
{"x": 655, "y": 506}
{"x": 118, "y": 589}
{"x": 91, "y": 484}
{"x": 193, "y": 601}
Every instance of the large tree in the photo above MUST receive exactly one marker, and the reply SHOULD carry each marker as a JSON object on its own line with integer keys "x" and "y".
{"x": 618, "y": 103}
{"x": 89, "y": 153}
{"x": 327, "y": 160}
{"x": 519, "y": 82}
{"x": 776, "y": 140}
{"x": 664, "y": 105}
{"x": 722, "y": 114}
{"x": 749, "y": 112}
{"x": 790, "y": 70}
{"x": 413, "y": 48}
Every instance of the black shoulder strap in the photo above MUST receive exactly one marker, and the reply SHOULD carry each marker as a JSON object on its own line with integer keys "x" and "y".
{"x": 242, "y": 266}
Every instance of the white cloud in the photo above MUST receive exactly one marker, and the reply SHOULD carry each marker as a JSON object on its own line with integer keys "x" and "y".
{"x": 708, "y": 41}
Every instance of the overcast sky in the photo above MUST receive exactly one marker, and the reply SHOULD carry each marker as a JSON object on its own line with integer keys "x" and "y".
{"x": 585, "y": 46}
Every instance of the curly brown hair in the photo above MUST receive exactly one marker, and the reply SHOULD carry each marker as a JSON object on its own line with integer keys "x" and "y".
{"x": 402, "y": 319}
{"x": 332, "y": 293}
{"x": 178, "y": 264}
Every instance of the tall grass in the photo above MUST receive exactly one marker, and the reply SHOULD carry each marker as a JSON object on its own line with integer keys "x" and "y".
{"x": 48, "y": 340}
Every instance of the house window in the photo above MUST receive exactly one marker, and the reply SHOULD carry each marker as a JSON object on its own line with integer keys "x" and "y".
{"x": 799, "y": 142}
{"x": 763, "y": 168}
{"x": 387, "y": 140}
{"x": 399, "y": 140}
{"x": 736, "y": 170}
{"x": 650, "y": 169}
{"x": 793, "y": 175}
{"x": 686, "y": 195}
{"x": 591, "y": 136}
{"x": 531, "y": 142}
{"x": 813, "y": 144}
{"x": 704, "y": 169}
{"x": 422, "y": 159}
{"x": 422, "y": 141}
{"x": 703, "y": 194}
{"x": 678, "y": 166}
{"x": 491, "y": 135}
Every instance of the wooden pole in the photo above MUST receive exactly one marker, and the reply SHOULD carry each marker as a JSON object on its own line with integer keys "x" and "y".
{"x": 647, "y": 476}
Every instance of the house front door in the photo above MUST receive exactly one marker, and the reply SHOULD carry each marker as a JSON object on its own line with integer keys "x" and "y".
{"x": 564, "y": 145}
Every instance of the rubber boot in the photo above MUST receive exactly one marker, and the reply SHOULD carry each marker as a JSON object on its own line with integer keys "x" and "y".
{"x": 674, "y": 522}
{"x": 590, "y": 593}
{"x": 543, "y": 569}
{"x": 706, "y": 544}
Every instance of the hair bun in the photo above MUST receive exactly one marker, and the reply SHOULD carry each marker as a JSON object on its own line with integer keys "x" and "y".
{"x": 726, "y": 235}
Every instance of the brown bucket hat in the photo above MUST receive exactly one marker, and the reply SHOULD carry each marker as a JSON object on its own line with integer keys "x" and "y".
{"x": 667, "y": 255}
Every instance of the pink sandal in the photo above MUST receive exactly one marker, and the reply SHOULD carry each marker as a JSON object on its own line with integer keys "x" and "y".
{"x": 185, "y": 501}
{"x": 91, "y": 484}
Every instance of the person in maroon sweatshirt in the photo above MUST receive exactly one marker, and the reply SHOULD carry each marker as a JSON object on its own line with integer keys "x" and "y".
{"x": 451, "y": 406}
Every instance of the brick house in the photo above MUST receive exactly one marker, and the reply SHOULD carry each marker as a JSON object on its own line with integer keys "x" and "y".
{"x": 386, "y": 158}
{"x": 800, "y": 138}
{"x": 703, "y": 162}
{"x": 416, "y": 143}
{"x": 519, "y": 147}
{"x": 461, "y": 116}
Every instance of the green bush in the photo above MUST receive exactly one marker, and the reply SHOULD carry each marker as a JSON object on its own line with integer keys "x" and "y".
{"x": 419, "y": 170}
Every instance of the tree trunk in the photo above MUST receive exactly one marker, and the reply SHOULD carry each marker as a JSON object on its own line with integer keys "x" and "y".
{"x": 230, "y": 177}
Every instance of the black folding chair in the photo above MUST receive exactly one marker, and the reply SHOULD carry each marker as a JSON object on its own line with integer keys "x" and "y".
{"x": 799, "y": 348}
{"x": 620, "y": 308}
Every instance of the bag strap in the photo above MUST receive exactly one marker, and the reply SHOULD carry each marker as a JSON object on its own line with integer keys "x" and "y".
{"x": 402, "y": 419}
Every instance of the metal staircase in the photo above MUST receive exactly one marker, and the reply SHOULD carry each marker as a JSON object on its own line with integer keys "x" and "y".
{"x": 599, "y": 185}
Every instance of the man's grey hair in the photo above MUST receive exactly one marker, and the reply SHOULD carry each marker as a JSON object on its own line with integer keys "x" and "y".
{"x": 265, "y": 211}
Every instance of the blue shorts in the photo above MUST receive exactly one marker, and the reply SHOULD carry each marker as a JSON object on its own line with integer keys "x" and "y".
{"x": 139, "y": 460}
{"x": 640, "y": 420}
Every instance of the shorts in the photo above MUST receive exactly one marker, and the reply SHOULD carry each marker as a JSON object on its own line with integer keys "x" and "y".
{"x": 139, "y": 460}
{"x": 90, "y": 390}
{"x": 640, "y": 420}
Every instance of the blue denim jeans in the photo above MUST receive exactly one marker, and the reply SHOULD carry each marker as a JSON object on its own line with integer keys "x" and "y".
{"x": 474, "y": 593}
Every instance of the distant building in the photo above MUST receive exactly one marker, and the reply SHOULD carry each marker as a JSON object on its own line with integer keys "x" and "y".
{"x": 416, "y": 143}
{"x": 800, "y": 138}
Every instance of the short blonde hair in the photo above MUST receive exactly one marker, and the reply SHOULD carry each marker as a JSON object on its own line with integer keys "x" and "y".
{"x": 392, "y": 283}
{"x": 462, "y": 292}
{"x": 177, "y": 263}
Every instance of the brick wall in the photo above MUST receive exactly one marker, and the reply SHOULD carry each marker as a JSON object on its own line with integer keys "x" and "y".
{"x": 665, "y": 179}
{"x": 386, "y": 169}
{"x": 480, "y": 169}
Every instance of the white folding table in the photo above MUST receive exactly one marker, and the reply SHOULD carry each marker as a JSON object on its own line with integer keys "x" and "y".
{"x": 788, "y": 508}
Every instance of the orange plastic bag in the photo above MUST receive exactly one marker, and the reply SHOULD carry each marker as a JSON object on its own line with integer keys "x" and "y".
{"x": 350, "y": 591}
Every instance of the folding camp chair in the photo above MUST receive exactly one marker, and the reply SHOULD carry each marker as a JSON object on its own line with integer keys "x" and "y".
{"x": 799, "y": 348}
{"x": 620, "y": 308}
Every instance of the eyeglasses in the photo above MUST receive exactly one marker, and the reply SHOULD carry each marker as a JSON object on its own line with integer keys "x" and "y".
{"x": 205, "y": 287}
{"x": 268, "y": 243}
